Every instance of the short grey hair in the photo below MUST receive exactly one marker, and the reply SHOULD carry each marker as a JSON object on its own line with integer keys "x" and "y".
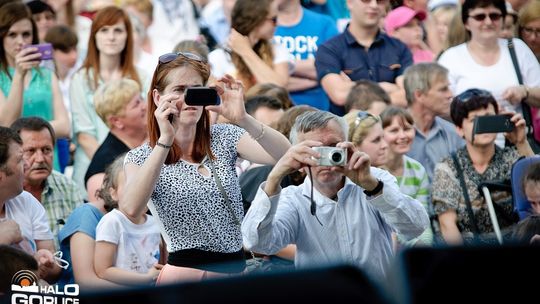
{"x": 315, "y": 120}
{"x": 420, "y": 77}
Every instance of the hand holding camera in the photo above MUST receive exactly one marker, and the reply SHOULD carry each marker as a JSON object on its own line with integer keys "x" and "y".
{"x": 27, "y": 58}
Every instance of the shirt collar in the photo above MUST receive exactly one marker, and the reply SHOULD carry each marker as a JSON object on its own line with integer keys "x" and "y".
{"x": 350, "y": 40}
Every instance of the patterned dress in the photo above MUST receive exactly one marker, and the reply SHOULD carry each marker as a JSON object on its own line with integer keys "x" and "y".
{"x": 447, "y": 192}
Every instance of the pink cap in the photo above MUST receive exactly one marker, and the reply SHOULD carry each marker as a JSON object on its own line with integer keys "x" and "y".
{"x": 399, "y": 17}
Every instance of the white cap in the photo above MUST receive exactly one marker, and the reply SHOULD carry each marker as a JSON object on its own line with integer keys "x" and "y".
{"x": 433, "y": 4}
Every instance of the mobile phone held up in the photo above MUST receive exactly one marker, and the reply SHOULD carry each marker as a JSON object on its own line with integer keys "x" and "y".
{"x": 45, "y": 49}
{"x": 201, "y": 96}
{"x": 493, "y": 124}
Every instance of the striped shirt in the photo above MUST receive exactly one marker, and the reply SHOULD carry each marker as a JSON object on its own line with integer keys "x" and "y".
{"x": 59, "y": 197}
{"x": 415, "y": 183}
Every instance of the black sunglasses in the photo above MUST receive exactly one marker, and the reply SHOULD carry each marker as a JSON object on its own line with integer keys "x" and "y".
{"x": 166, "y": 58}
{"x": 470, "y": 93}
{"x": 482, "y": 16}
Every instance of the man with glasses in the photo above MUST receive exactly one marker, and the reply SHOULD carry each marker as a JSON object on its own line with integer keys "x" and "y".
{"x": 362, "y": 51}
{"x": 56, "y": 192}
{"x": 340, "y": 214}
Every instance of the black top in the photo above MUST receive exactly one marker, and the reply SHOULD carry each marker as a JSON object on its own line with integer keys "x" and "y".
{"x": 111, "y": 148}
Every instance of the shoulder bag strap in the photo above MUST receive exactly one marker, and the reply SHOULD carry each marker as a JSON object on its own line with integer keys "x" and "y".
{"x": 524, "y": 106}
{"x": 220, "y": 186}
{"x": 465, "y": 194}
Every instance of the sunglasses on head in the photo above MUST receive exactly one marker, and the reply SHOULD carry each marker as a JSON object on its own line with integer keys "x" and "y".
{"x": 363, "y": 115}
{"x": 166, "y": 58}
{"x": 470, "y": 93}
{"x": 482, "y": 16}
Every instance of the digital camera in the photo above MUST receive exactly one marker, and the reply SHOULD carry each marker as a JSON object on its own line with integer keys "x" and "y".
{"x": 331, "y": 156}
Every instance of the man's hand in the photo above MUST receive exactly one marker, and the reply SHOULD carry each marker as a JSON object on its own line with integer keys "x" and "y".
{"x": 10, "y": 232}
{"x": 358, "y": 168}
{"x": 298, "y": 156}
{"x": 46, "y": 264}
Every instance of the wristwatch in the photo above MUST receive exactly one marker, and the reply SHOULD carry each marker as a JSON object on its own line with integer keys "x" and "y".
{"x": 375, "y": 190}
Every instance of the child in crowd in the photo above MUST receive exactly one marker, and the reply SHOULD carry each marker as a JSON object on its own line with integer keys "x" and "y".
{"x": 403, "y": 23}
{"x": 127, "y": 248}
{"x": 411, "y": 176}
{"x": 531, "y": 187}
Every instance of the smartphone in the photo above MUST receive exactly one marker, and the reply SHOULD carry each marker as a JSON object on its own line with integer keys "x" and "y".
{"x": 201, "y": 96}
{"x": 45, "y": 49}
{"x": 493, "y": 124}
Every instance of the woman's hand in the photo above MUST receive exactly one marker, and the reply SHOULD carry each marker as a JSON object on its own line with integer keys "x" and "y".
{"x": 239, "y": 43}
{"x": 519, "y": 134}
{"x": 168, "y": 105}
{"x": 26, "y": 59}
{"x": 231, "y": 92}
{"x": 515, "y": 94}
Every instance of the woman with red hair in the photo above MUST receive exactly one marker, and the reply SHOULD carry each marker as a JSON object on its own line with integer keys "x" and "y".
{"x": 186, "y": 172}
{"x": 110, "y": 56}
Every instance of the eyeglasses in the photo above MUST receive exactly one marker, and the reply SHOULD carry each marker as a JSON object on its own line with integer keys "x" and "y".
{"x": 59, "y": 261}
{"x": 273, "y": 20}
{"x": 492, "y": 16}
{"x": 166, "y": 58}
{"x": 363, "y": 115}
{"x": 531, "y": 31}
{"x": 470, "y": 93}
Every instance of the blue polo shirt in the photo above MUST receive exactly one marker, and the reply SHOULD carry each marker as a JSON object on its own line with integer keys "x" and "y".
{"x": 386, "y": 58}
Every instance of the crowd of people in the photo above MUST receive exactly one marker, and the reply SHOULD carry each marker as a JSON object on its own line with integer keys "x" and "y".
{"x": 345, "y": 132}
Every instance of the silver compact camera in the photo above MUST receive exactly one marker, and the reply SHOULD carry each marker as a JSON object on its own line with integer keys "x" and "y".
{"x": 331, "y": 156}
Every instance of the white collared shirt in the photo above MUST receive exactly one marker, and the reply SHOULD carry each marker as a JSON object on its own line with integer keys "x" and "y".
{"x": 355, "y": 230}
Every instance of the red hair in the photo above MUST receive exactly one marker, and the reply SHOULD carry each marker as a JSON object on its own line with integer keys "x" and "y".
{"x": 202, "y": 135}
{"x": 109, "y": 16}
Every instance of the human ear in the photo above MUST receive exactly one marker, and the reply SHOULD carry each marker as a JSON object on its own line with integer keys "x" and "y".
{"x": 156, "y": 97}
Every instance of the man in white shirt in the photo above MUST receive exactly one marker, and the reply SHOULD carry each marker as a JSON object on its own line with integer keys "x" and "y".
{"x": 347, "y": 216}
{"x": 16, "y": 205}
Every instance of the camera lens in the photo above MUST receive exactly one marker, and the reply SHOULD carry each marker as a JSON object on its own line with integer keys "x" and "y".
{"x": 336, "y": 157}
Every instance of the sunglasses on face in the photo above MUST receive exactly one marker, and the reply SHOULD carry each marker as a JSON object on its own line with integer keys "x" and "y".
{"x": 166, "y": 58}
{"x": 467, "y": 95}
{"x": 482, "y": 16}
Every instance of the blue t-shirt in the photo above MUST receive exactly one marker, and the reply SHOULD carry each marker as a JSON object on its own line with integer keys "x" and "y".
{"x": 83, "y": 219}
{"x": 302, "y": 40}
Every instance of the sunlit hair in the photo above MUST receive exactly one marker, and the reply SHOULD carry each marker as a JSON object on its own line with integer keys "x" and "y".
{"x": 160, "y": 82}
{"x": 112, "y": 97}
{"x": 246, "y": 16}
{"x": 314, "y": 120}
{"x": 528, "y": 13}
{"x": 359, "y": 129}
{"x": 106, "y": 17}
{"x": 10, "y": 14}
{"x": 387, "y": 116}
{"x": 111, "y": 182}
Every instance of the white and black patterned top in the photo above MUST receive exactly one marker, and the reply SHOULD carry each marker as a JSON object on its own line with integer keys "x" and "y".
{"x": 190, "y": 206}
